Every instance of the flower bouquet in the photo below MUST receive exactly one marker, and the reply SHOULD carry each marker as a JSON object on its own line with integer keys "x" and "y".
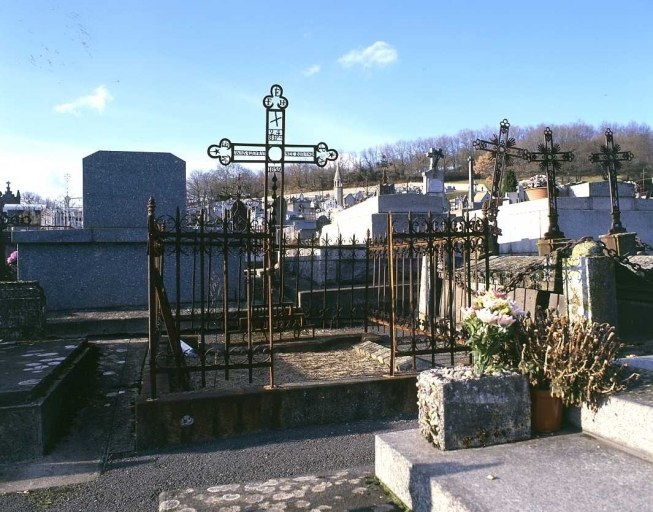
{"x": 489, "y": 325}
{"x": 539, "y": 180}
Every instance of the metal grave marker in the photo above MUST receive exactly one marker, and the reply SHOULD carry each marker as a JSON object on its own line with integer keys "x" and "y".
{"x": 274, "y": 153}
{"x": 504, "y": 150}
{"x": 549, "y": 157}
{"x": 610, "y": 158}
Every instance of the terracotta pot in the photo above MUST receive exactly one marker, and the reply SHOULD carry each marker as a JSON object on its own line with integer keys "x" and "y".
{"x": 546, "y": 411}
{"x": 536, "y": 193}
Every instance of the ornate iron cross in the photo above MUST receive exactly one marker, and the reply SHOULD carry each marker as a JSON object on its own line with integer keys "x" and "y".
{"x": 274, "y": 153}
{"x": 549, "y": 156}
{"x": 504, "y": 150}
{"x": 610, "y": 158}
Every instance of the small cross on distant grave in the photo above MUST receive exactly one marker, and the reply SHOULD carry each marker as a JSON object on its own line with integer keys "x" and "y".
{"x": 274, "y": 153}
{"x": 549, "y": 157}
{"x": 504, "y": 149}
{"x": 610, "y": 157}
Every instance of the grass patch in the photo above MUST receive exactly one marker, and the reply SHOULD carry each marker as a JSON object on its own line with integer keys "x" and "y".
{"x": 372, "y": 480}
{"x": 45, "y": 499}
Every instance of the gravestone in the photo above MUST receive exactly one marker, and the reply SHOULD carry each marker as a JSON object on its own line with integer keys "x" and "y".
{"x": 118, "y": 183}
{"x": 104, "y": 265}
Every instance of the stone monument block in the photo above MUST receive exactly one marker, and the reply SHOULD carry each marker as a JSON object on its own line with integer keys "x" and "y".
{"x": 458, "y": 409}
{"x": 591, "y": 290}
{"x": 118, "y": 183}
{"x": 22, "y": 310}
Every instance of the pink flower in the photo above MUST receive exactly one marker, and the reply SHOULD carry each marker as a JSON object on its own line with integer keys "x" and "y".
{"x": 13, "y": 258}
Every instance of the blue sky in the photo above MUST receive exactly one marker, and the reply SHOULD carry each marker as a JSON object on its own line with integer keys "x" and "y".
{"x": 173, "y": 76}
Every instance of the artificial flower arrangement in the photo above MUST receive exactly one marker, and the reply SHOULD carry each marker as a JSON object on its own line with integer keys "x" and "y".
{"x": 539, "y": 180}
{"x": 490, "y": 325}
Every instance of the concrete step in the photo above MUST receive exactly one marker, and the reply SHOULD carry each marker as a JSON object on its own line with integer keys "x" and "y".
{"x": 569, "y": 471}
{"x": 606, "y": 467}
{"x": 625, "y": 419}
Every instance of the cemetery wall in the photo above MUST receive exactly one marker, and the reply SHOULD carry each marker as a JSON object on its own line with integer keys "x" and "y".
{"x": 371, "y": 214}
{"x": 522, "y": 224}
{"x": 105, "y": 268}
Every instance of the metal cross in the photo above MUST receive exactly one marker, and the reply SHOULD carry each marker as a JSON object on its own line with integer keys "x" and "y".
{"x": 504, "y": 150}
{"x": 549, "y": 156}
{"x": 274, "y": 153}
{"x": 610, "y": 158}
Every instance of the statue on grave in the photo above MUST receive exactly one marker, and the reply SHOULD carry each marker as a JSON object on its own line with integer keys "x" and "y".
{"x": 433, "y": 180}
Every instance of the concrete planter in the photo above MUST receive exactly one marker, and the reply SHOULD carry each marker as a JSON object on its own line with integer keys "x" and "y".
{"x": 458, "y": 409}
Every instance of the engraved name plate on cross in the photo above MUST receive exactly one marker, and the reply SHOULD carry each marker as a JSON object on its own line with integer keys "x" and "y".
{"x": 610, "y": 158}
{"x": 549, "y": 157}
{"x": 504, "y": 149}
{"x": 274, "y": 153}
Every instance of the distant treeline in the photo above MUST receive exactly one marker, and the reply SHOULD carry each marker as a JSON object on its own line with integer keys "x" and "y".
{"x": 404, "y": 161}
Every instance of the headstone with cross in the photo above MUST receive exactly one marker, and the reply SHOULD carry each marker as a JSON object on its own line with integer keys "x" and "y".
{"x": 432, "y": 180}
{"x": 550, "y": 157}
{"x": 504, "y": 149}
{"x": 610, "y": 157}
{"x": 274, "y": 153}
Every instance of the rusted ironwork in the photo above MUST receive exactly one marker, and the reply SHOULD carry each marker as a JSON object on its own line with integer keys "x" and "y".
{"x": 504, "y": 150}
{"x": 274, "y": 154}
{"x": 610, "y": 158}
{"x": 550, "y": 157}
{"x": 416, "y": 267}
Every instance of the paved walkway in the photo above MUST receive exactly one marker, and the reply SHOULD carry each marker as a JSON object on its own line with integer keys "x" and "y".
{"x": 349, "y": 489}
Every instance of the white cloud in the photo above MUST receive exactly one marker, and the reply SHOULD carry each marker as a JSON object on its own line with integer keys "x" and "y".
{"x": 379, "y": 54}
{"x": 96, "y": 101}
{"x": 312, "y": 70}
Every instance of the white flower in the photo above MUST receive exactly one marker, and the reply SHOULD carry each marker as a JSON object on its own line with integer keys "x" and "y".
{"x": 486, "y": 316}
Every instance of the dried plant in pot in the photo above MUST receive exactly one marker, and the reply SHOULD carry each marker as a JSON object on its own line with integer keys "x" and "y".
{"x": 570, "y": 361}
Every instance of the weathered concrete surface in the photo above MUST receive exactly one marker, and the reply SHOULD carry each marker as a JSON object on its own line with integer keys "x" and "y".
{"x": 458, "y": 409}
{"x": 180, "y": 418}
{"x": 41, "y": 384}
{"x": 625, "y": 419}
{"x": 349, "y": 489}
{"x": 22, "y": 310}
{"x": 103, "y": 427}
{"x": 563, "y": 472}
{"x": 591, "y": 287}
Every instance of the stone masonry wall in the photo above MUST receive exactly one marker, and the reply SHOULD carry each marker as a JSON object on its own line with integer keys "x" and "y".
{"x": 22, "y": 310}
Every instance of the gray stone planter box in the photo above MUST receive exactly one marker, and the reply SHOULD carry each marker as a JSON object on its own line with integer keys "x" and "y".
{"x": 458, "y": 409}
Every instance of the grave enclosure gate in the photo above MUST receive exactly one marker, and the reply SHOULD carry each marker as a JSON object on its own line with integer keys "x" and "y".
{"x": 425, "y": 270}
{"x": 208, "y": 284}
